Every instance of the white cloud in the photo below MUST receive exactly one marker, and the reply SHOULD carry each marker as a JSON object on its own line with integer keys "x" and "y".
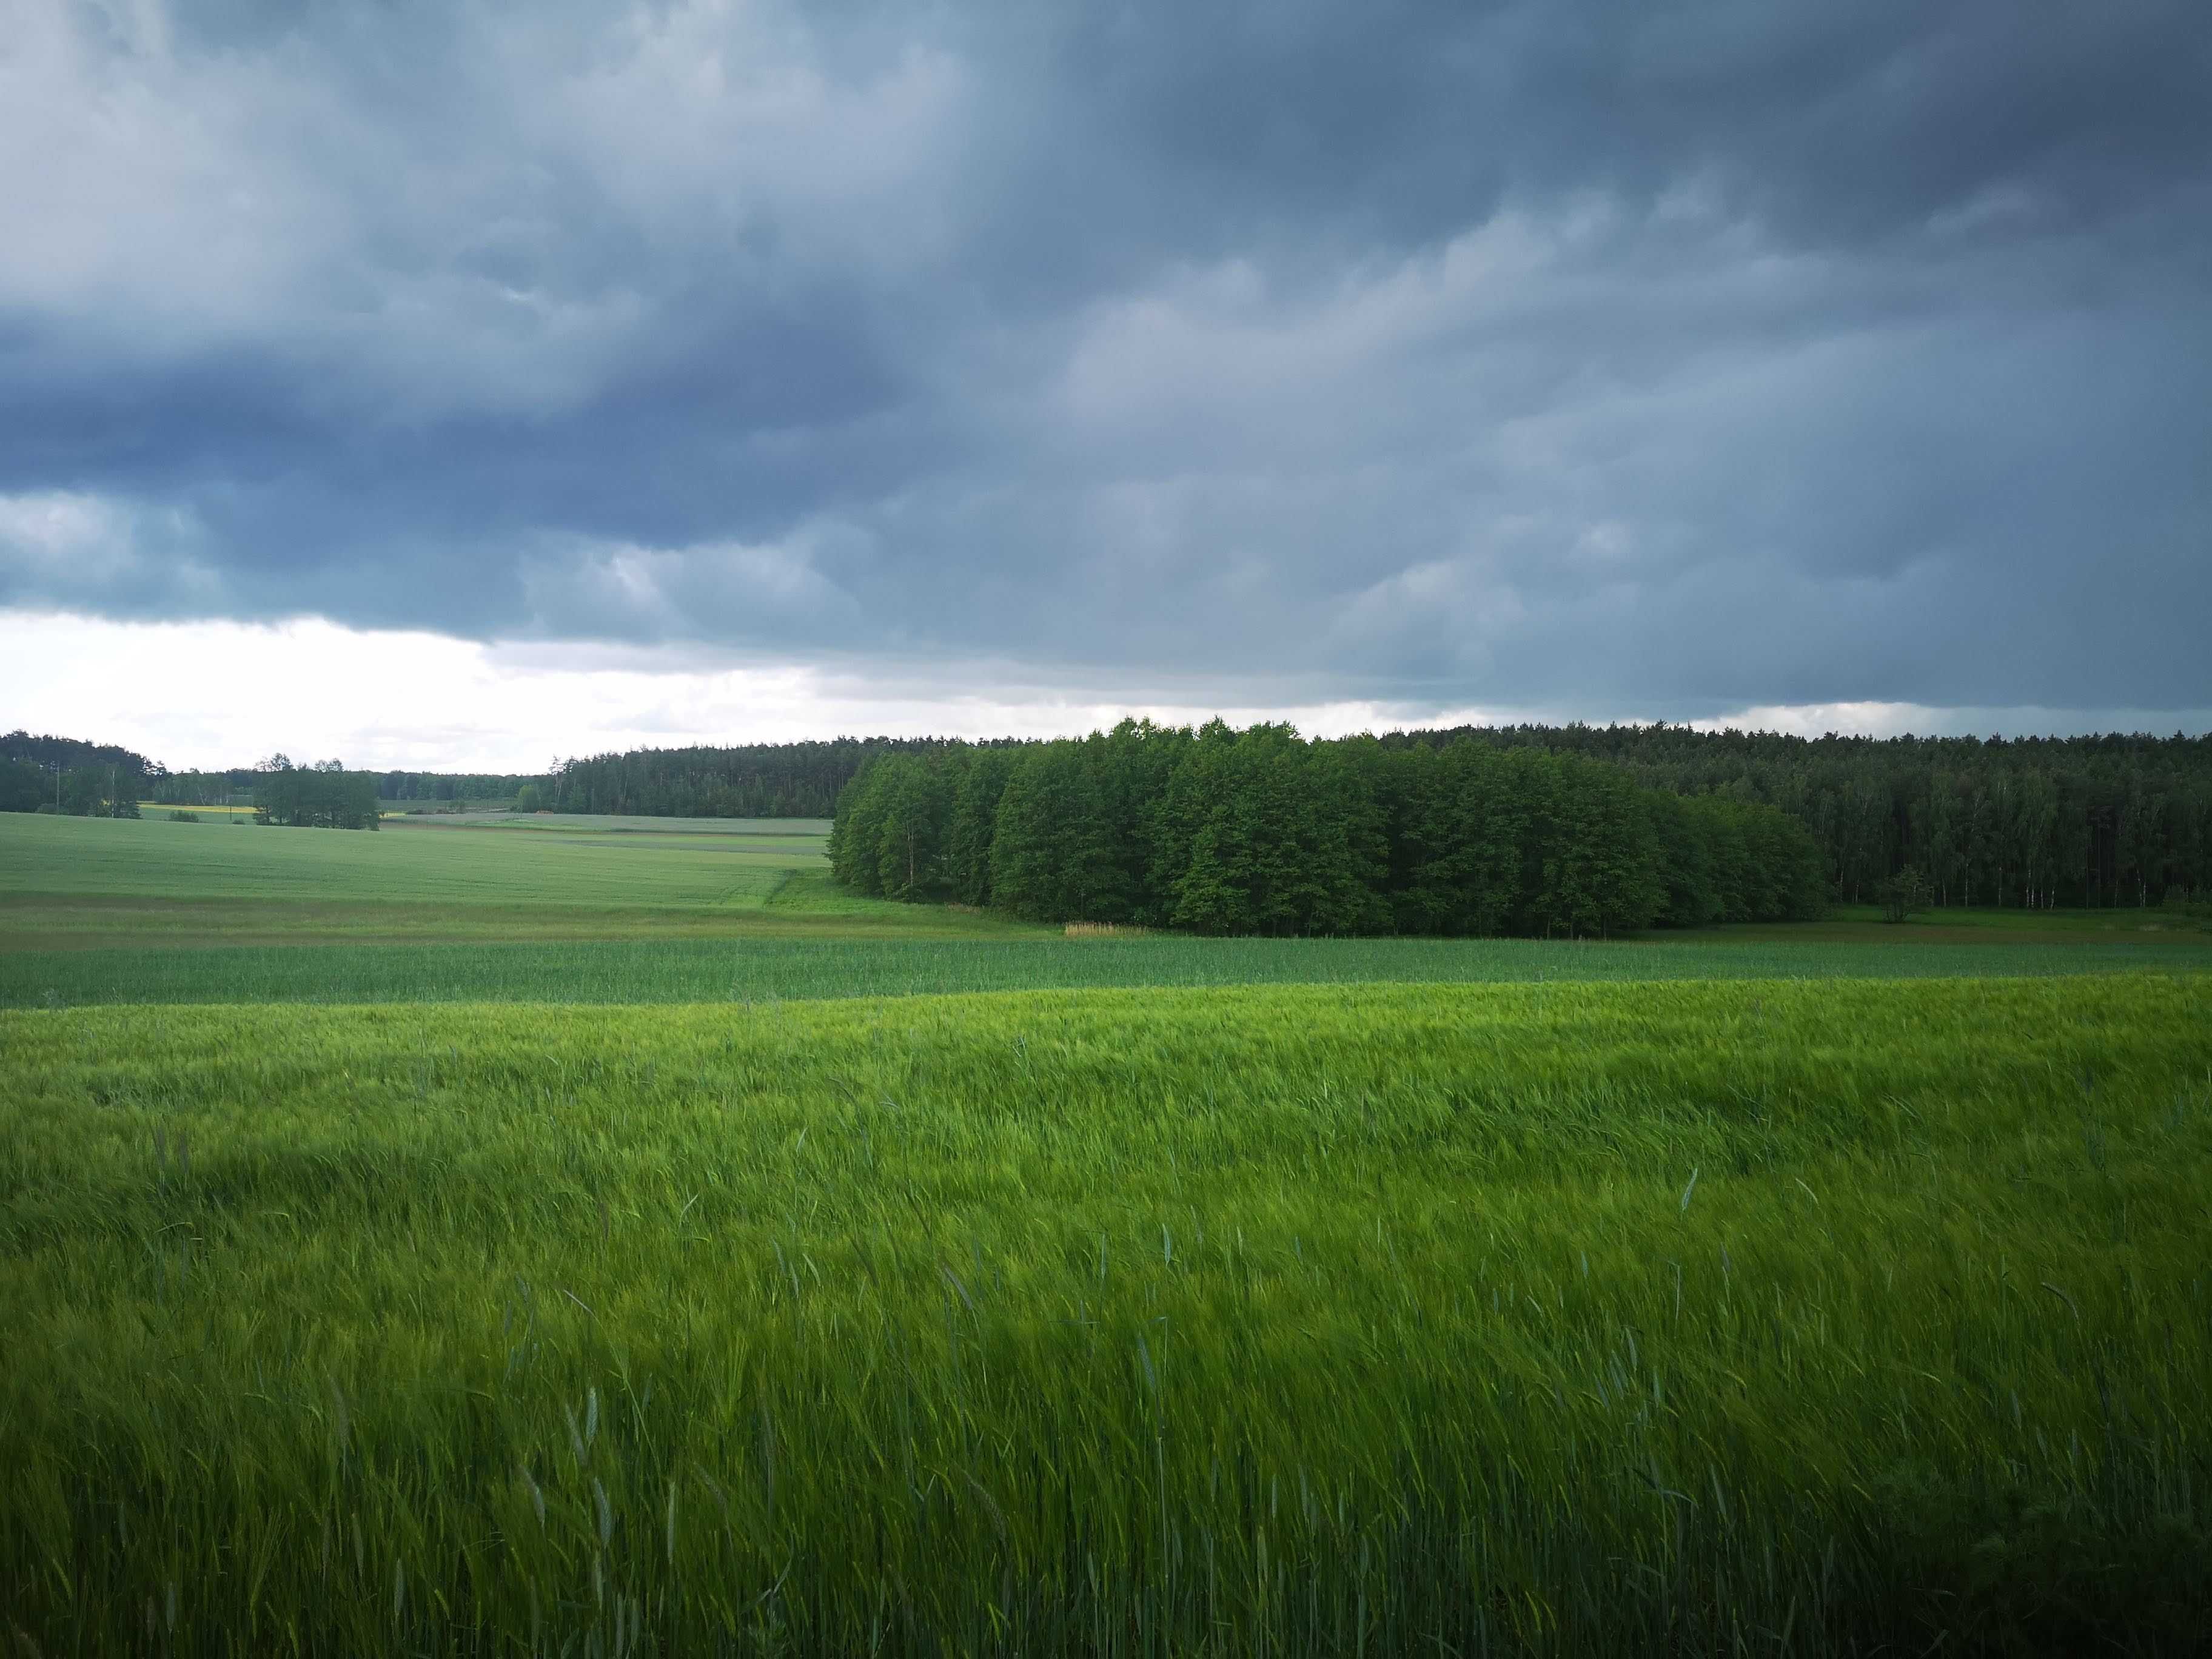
{"x": 225, "y": 694}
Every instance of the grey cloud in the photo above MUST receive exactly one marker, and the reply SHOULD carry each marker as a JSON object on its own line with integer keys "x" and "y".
{"x": 1673, "y": 358}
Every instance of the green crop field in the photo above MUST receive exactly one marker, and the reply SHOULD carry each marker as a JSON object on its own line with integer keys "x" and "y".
{"x": 607, "y": 1239}
{"x": 52, "y": 857}
{"x": 126, "y": 885}
{"x": 1679, "y": 1318}
{"x": 94, "y": 910}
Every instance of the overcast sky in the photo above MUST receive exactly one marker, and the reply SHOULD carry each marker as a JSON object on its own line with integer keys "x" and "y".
{"x": 466, "y": 384}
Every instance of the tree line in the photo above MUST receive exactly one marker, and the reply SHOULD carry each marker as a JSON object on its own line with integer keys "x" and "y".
{"x": 749, "y": 781}
{"x": 2025, "y": 823}
{"x": 1218, "y": 830}
{"x": 213, "y": 788}
{"x": 2031, "y": 823}
{"x": 455, "y": 786}
{"x": 45, "y": 773}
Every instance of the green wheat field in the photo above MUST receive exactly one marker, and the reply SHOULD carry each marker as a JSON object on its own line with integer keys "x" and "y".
{"x": 492, "y": 1238}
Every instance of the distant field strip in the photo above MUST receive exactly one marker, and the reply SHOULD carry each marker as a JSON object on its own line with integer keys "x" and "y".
{"x": 1561, "y": 1319}
{"x": 154, "y": 857}
{"x": 817, "y": 957}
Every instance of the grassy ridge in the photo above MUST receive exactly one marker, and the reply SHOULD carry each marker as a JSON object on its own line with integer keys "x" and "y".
{"x": 806, "y": 955}
{"x": 1653, "y": 1317}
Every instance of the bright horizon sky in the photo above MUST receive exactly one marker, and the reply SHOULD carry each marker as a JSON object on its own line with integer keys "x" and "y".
{"x": 213, "y": 694}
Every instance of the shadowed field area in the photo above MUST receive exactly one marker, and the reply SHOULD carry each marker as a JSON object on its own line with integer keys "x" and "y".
{"x": 779, "y": 954}
{"x": 1864, "y": 925}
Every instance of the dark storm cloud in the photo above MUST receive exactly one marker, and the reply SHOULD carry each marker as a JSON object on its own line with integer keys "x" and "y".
{"x": 1622, "y": 357}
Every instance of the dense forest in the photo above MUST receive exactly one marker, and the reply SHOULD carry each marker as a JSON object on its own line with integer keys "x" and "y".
{"x": 754, "y": 781}
{"x": 2030, "y": 822}
{"x": 1260, "y": 831}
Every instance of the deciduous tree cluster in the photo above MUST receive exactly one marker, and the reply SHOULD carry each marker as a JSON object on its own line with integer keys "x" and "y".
{"x": 1259, "y": 831}
{"x": 323, "y": 796}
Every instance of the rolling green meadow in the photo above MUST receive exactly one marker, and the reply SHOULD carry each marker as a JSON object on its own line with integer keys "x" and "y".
{"x": 608, "y": 1236}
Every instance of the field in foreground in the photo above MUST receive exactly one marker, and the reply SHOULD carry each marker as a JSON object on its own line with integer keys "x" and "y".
{"x": 1750, "y": 1317}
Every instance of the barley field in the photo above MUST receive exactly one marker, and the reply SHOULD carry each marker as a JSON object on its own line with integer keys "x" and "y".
{"x": 754, "y": 1296}
{"x": 1554, "y": 1318}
